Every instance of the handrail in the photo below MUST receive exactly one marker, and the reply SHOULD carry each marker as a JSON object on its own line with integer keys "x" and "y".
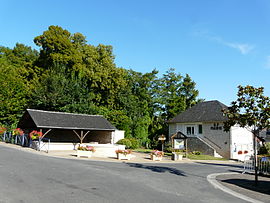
{"x": 209, "y": 142}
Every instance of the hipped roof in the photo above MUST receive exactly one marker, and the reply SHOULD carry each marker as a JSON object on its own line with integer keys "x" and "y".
{"x": 61, "y": 120}
{"x": 209, "y": 111}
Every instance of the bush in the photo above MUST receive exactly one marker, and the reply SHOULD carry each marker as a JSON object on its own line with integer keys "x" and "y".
{"x": 196, "y": 153}
{"x": 126, "y": 142}
{"x": 265, "y": 149}
{"x": 135, "y": 144}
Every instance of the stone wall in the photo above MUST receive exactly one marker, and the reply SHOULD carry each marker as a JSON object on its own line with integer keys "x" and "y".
{"x": 218, "y": 136}
{"x": 195, "y": 144}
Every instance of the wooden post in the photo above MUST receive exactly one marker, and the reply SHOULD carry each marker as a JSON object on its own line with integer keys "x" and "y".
{"x": 186, "y": 146}
{"x": 46, "y": 133}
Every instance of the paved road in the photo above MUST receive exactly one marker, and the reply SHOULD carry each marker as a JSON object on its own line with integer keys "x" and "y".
{"x": 28, "y": 177}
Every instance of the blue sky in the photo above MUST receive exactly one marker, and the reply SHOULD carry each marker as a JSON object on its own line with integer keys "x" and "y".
{"x": 221, "y": 44}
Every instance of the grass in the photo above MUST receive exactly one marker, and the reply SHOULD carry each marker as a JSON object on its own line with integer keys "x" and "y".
{"x": 190, "y": 156}
{"x": 204, "y": 157}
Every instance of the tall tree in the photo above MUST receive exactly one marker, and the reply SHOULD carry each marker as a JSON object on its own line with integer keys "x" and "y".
{"x": 13, "y": 94}
{"x": 252, "y": 110}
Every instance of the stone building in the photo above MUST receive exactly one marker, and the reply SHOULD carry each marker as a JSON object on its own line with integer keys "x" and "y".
{"x": 203, "y": 125}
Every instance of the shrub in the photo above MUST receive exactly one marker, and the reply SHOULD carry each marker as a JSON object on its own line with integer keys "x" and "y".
{"x": 265, "y": 149}
{"x": 135, "y": 144}
{"x": 126, "y": 142}
{"x": 196, "y": 153}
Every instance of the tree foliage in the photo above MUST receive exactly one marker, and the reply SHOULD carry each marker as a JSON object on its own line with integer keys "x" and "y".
{"x": 251, "y": 109}
{"x": 68, "y": 74}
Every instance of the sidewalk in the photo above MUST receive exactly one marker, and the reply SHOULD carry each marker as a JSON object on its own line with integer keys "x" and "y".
{"x": 244, "y": 184}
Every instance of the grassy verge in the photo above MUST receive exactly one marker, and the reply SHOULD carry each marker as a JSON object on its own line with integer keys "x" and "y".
{"x": 204, "y": 157}
{"x": 190, "y": 156}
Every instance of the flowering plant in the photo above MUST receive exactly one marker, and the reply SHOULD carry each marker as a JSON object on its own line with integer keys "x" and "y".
{"x": 86, "y": 148}
{"x": 17, "y": 131}
{"x": 157, "y": 153}
{"x": 124, "y": 151}
{"x": 35, "y": 134}
{"x": 2, "y": 129}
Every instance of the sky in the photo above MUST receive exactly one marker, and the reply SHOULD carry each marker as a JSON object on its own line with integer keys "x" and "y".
{"x": 221, "y": 44}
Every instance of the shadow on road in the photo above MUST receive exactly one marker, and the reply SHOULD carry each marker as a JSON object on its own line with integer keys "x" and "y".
{"x": 158, "y": 169}
{"x": 221, "y": 164}
{"x": 262, "y": 187}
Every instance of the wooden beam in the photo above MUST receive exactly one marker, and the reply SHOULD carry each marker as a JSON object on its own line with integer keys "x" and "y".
{"x": 46, "y": 133}
{"x": 77, "y": 134}
{"x": 85, "y": 134}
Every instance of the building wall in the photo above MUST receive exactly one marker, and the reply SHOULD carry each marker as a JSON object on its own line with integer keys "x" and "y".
{"x": 56, "y": 135}
{"x": 219, "y": 137}
{"x": 195, "y": 144}
{"x": 102, "y": 137}
{"x": 241, "y": 140}
{"x": 172, "y": 129}
{"x": 212, "y": 133}
{"x": 117, "y": 135}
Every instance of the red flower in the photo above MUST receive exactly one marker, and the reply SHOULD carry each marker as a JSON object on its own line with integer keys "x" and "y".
{"x": 2, "y": 129}
{"x": 17, "y": 131}
{"x": 35, "y": 134}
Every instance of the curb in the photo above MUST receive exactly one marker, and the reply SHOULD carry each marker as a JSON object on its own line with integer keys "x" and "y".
{"x": 212, "y": 179}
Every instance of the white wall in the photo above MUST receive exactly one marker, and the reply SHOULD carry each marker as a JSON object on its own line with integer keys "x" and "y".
{"x": 117, "y": 135}
{"x": 241, "y": 140}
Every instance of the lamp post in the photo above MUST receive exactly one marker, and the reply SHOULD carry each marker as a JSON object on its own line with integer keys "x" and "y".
{"x": 162, "y": 138}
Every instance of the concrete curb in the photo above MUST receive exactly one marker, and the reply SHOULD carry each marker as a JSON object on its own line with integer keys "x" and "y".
{"x": 212, "y": 179}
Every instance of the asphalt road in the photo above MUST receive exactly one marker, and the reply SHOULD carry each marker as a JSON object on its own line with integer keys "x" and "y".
{"x": 29, "y": 177}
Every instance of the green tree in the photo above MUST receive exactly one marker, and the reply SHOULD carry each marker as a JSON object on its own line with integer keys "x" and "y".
{"x": 189, "y": 91}
{"x": 250, "y": 110}
{"x": 13, "y": 93}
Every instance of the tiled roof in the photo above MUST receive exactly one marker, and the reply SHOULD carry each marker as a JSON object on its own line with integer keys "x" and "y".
{"x": 60, "y": 120}
{"x": 202, "y": 112}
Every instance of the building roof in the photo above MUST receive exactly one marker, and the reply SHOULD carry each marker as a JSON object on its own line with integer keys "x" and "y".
{"x": 209, "y": 111}
{"x": 60, "y": 120}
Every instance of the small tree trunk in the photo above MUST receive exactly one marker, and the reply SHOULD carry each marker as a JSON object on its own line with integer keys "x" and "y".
{"x": 255, "y": 158}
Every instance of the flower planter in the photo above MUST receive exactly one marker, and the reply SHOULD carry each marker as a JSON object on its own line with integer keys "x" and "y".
{"x": 177, "y": 157}
{"x": 156, "y": 158}
{"x": 35, "y": 144}
{"x": 81, "y": 153}
{"x": 121, "y": 156}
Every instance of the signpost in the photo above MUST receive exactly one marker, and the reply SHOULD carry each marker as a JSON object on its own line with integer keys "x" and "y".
{"x": 162, "y": 138}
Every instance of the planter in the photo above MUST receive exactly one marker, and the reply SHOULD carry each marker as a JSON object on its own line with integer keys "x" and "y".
{"x": 177, "y": 157}
{"x": 156, "y": 158}
{"x": 81, "y": 153}
{"x": 121, "y": 156}
{"x": 34, "y": 144}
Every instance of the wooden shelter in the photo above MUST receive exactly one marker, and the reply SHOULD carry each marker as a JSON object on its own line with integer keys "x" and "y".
{"x": 67, "y": 127}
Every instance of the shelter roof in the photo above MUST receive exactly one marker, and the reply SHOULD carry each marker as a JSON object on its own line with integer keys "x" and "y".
{"x": 61, "y": 120}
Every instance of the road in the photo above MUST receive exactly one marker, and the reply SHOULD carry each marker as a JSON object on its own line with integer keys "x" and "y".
{"x": 29, "y": 177}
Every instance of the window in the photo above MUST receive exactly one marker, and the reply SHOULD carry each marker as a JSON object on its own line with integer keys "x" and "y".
{"x": 200, "y": 129}
{"x": 190, "y": 130}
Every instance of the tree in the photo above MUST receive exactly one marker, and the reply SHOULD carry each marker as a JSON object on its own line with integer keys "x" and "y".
{"x": 252, "y": 110}
{"x": 13, "y": 94}
{"x": 189, "y": 91}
